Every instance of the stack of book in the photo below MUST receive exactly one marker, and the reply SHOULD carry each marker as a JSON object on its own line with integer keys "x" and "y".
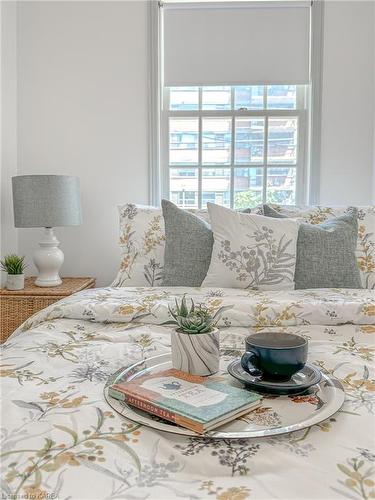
{"x": 197, "y": 403}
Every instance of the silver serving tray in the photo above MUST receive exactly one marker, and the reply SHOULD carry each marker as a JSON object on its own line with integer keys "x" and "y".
{"x": 276, "y": 415}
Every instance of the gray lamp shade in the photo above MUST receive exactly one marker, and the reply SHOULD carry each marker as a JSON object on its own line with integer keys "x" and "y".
{"x": 46, "y": 200}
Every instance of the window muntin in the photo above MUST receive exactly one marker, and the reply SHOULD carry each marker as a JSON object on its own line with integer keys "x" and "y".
{"x": 235, "y": 146}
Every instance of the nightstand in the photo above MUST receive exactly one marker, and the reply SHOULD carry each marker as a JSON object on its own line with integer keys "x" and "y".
{"x": 17, "y": 306}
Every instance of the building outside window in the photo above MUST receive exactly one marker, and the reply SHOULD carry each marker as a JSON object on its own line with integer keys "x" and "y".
{"x": 237, "y": 146}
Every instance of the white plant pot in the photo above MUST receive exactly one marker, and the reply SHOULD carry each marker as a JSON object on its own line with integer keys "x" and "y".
{"x": 197, "y": 354}
{"x": 15, "y": 282}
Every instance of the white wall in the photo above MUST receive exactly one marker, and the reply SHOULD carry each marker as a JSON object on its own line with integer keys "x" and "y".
{"x": 82, "y": 110}
{"x": 373, "y": 143}
{"x": 8, "y": 166}
{"x": 347, "y": 161}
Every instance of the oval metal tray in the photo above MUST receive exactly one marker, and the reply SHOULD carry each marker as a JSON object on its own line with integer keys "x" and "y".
{"x": 276, "y": 415}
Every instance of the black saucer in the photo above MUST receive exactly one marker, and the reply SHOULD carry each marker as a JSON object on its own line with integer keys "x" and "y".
{"x": 299, "y": 382}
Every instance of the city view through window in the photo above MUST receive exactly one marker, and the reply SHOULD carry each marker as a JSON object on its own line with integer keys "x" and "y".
{"x": 235, "y": 146}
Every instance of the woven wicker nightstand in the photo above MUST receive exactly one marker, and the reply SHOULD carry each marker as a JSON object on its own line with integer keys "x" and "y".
{"x": 17, "y": 306}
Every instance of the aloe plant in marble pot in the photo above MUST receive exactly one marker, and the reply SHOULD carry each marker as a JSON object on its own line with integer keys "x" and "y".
{"x": 195, "y": 342}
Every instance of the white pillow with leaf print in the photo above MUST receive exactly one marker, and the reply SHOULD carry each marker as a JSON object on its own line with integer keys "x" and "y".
{"x": 251, "y": 251}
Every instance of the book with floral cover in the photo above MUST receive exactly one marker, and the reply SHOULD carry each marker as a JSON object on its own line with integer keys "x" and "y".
{"x": 197, "y": 403}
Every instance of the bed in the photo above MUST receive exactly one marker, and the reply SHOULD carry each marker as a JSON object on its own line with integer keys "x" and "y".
{"x": 60, "y": 439}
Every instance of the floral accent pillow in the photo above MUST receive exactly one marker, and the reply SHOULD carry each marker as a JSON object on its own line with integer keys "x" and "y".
{"x": 142, "y": 241}
{"x": 251, "y": 251}
{"x": 366, "y": 232}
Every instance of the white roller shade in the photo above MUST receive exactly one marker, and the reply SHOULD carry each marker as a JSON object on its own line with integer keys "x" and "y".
{"x": 236, "y": 43}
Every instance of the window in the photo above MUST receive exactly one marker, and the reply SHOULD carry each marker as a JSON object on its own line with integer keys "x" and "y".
{"x": 236, "y": 146}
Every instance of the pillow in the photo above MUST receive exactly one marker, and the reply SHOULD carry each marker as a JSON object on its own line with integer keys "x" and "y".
{"x": 365, "y": 251}
{"x": 326, "y": 252}
{"x": 142, "y": 242}
{"x": 188, "y": 247}
{"x": 251, "y": 251}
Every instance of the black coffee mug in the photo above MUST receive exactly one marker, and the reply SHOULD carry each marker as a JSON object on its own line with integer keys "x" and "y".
{"x": 274, "y": 356}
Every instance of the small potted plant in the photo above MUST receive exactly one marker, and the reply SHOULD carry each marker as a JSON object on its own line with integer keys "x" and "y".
{"x": 195, "y": 343}
{"x": 15, "y": 267}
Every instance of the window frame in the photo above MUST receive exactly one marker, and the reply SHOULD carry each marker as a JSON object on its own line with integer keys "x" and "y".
{"x": 301, "y": 165}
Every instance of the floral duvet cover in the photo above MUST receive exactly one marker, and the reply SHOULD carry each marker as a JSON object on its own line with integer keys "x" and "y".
{"x": 59, "y": 439}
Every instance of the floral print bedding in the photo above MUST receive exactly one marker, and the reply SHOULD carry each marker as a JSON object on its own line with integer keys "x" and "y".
{"x": 59, "y": 439}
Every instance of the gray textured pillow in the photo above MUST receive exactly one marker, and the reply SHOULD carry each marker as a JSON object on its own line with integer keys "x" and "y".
{"x": 326, "y": 252}
{"x": 188, "y": 247}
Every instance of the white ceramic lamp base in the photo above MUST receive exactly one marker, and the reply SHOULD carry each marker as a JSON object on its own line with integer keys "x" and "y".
{"x": 48, "y": 259}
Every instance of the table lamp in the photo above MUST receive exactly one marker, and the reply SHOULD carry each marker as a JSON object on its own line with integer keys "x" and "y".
{"x": 47, "y": 201}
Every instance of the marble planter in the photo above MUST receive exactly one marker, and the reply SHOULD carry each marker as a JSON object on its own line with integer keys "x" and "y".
{"x": 15, "y": 282}
{"x": 198, "y": 354}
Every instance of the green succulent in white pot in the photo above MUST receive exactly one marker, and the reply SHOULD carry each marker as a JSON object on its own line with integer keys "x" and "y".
{"x": 195, "y": 343}
{"x": 14, "y": 266}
